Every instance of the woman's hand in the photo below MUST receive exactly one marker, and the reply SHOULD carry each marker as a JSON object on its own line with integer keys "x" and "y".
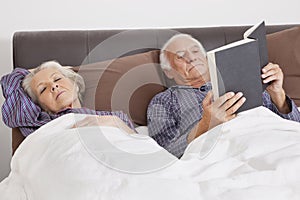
{"x": 104, "y": 120}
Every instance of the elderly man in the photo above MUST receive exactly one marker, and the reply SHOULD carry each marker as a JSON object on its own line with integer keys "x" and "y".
{"x": 185, "y": 111}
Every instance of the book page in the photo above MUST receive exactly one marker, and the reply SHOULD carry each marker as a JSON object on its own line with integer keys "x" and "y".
{"x": 237, "y": 43}
{"x": 252, "y": 29}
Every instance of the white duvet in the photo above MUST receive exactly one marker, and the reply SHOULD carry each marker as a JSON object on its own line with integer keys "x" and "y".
{"x": 254, "y": 156}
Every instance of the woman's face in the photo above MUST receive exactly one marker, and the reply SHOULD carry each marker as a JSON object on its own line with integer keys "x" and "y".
{"x": 54, "y": 91}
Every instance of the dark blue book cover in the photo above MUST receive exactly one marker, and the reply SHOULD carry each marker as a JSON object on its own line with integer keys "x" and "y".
{"x": 236, "y": 67}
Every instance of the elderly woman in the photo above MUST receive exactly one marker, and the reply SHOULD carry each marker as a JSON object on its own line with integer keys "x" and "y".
{"x": 40, "y": 95}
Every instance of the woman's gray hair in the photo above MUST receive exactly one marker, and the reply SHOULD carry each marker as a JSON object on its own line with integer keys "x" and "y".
{"x": 164, "y": 61}
{"x": 73, "y": 76}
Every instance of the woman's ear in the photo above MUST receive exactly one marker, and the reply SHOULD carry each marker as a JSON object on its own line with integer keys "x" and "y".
{"x": 169, "y": 73}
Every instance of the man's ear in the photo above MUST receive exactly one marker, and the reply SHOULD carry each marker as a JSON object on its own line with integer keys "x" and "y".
{"x": 169, "y": 73}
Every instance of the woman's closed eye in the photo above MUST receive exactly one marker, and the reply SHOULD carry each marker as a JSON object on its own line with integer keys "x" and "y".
{"x": 42, "y": 90}
{"x": 57, "y": 79}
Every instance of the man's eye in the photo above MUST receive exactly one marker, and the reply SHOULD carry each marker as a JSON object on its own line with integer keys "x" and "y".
{"x": 42, "y": 90}
{"x": 180, "y": 55}
{"x": 57, "y": 79}
{"x": 195, "y": 50}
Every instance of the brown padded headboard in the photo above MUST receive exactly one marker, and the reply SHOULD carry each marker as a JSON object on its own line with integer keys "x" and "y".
{"x": 77, "y": 47}
{"x": 31, "y": 48}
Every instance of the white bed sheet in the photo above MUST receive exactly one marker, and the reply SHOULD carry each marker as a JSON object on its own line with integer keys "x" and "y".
{"x": 254, "y": 156}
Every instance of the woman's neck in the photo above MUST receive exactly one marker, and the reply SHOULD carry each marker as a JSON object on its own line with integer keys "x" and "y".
{"x": 76, "y": 104}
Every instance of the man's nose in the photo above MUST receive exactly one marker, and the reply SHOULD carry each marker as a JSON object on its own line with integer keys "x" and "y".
{"x": 54, "y": 87}
{"x": 190, "y": 57}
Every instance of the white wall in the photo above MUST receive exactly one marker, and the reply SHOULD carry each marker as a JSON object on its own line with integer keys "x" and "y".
{"x": 105, "y": 14}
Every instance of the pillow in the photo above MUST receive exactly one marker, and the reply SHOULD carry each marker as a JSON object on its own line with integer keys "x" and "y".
{"x": 284, "y": 49}
{"x": 126, "y": 83}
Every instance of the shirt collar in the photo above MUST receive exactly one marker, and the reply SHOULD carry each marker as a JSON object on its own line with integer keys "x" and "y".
{"x": 205, "y": 87}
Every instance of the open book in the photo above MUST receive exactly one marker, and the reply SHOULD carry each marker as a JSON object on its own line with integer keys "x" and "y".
{"x": 237, "y": 67}
{"x": 258, "y": 32}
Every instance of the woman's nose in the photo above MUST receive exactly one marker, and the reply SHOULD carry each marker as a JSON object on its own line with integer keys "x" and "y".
{"x": 54, "y": 87}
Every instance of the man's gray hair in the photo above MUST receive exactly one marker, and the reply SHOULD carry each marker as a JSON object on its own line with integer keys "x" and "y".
{"x": 164, "y": 61}
{"x": 69, "y": 73}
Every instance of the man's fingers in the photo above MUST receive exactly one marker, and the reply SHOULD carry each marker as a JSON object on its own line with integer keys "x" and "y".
{"x": 270, "y": 79}
{"x": 269, "y": 66}
{"x": 275, "y": 72}
{"x": 230, "y": 117}
{"x": 220, "y": 101}
{"x": 236, "y": 106}
{"x": 230, "y": 102}
{"x": 269, "y": 73}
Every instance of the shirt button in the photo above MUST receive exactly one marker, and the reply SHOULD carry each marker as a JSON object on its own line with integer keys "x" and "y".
{"x": 203, "y": 88}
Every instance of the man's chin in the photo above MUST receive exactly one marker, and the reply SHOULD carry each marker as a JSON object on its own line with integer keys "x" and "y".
{"x": 197, "y": 82}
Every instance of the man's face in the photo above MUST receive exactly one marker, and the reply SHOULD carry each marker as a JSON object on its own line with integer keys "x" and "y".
{"x": 189, "y": 64}
{"x": 53, "y": 90}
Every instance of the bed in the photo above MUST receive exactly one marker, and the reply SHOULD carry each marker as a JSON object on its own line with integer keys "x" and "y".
{"x": 242, "y": 159}
{"x": 137, "y": 50}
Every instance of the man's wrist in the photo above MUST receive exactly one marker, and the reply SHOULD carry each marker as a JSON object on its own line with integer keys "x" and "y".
{"x": 279, "y": 100}
{"x": 201, "y": 127}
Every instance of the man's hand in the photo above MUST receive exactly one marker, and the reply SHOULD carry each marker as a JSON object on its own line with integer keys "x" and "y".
{"x": 273, "y": 75}
{"x": 223, "y": 109}
{"x": 217, "y": 112}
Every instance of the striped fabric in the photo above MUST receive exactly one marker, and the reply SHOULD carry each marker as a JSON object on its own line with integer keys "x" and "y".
{"x": 19, "y": 111}
{"x": 173, "y": 113}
